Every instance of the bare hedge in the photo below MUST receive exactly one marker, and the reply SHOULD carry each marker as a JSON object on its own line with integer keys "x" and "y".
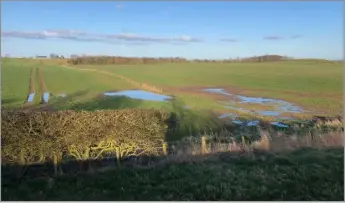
{"x": 36, "y": 137}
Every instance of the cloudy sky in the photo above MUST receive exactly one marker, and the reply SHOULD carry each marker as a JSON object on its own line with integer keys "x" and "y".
{"x": 211, "y": 30}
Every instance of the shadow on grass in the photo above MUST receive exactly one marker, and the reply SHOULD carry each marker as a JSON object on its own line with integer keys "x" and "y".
{"x": 8, "y": 103}
{"x": 189, "y": 122}
{"x": 106, "y": 103}
{"x": 181, "y": 123}
{"x": 305, "y": 174}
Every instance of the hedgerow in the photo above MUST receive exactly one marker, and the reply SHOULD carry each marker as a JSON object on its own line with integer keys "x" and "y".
{"x": 37, "y": 137}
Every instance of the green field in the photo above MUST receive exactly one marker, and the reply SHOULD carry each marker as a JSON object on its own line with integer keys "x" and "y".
{"x": 320, "y": 84}
{"x": 317, "y": 87}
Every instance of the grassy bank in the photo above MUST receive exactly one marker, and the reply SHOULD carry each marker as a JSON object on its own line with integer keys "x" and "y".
{"x": 306, "y": 174}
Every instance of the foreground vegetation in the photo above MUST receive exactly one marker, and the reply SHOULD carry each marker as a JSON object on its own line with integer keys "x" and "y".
{"x": 308, "y": 174}
{"x": 126, "y": 157}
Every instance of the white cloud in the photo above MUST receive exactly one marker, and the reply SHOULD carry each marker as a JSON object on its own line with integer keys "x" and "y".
{"x": 90, "y": 37}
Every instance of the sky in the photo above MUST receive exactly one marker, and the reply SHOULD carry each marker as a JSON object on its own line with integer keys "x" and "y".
{"x": 194, "y": 29}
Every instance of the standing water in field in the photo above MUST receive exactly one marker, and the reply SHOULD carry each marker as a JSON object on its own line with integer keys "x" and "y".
{"x": 30, "y": 97}
{"x": 280, "y": 106}
{"x": 279, "y": 124}
{"x": 139, "y": 94}
{"x": 45, "y": 97}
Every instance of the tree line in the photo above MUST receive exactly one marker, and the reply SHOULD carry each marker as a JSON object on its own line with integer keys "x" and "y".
{"x": 98, "y": 60}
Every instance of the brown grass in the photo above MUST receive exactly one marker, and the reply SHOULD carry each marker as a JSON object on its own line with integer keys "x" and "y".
{"x": 267, "y": 143}
{"x": 35, "y": 137}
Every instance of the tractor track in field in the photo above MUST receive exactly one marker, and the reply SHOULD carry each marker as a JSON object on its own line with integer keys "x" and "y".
{"x": 31, "y": 93}
{"x": 143, "y": 86}
{"x": 42, "y": 88}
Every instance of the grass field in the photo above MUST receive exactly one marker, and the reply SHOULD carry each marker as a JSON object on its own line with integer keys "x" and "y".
{"x": 315, "y": 87}
{"x": 294, "y": 174}
{"x": 319, "y": 84}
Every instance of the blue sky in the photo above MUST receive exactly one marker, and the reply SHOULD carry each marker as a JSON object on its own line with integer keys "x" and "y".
{"x": 212, "y": 30}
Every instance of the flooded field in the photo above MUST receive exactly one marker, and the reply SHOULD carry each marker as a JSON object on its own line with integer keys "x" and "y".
{"x": 139, "y": 94}
{"x": 272, "y": 107}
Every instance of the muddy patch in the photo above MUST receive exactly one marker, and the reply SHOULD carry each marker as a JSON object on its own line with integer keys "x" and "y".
{"x": 139, "y": 94}
{"x": 279, "y": 106}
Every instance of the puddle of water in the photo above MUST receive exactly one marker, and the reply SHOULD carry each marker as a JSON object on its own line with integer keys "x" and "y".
{"x": 30, "y": 97}
{"x": 139, "y": 94}
{"x": 252, "y": 123}
{"x": 268, "y": 113}
{"x": 255, "y": 123}
{"x": 217, "y": 90}
{"x": 280, "y": 105}
{"x": 238, "y": 122}
{"x": 45, "y": 97}
{"x": 279, "y": 124}
{"x": 249, "y": 123}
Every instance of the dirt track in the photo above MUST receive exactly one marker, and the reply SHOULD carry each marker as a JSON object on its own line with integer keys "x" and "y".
{"x": 42, "y": 87}
{"x": 31, "y": 82}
